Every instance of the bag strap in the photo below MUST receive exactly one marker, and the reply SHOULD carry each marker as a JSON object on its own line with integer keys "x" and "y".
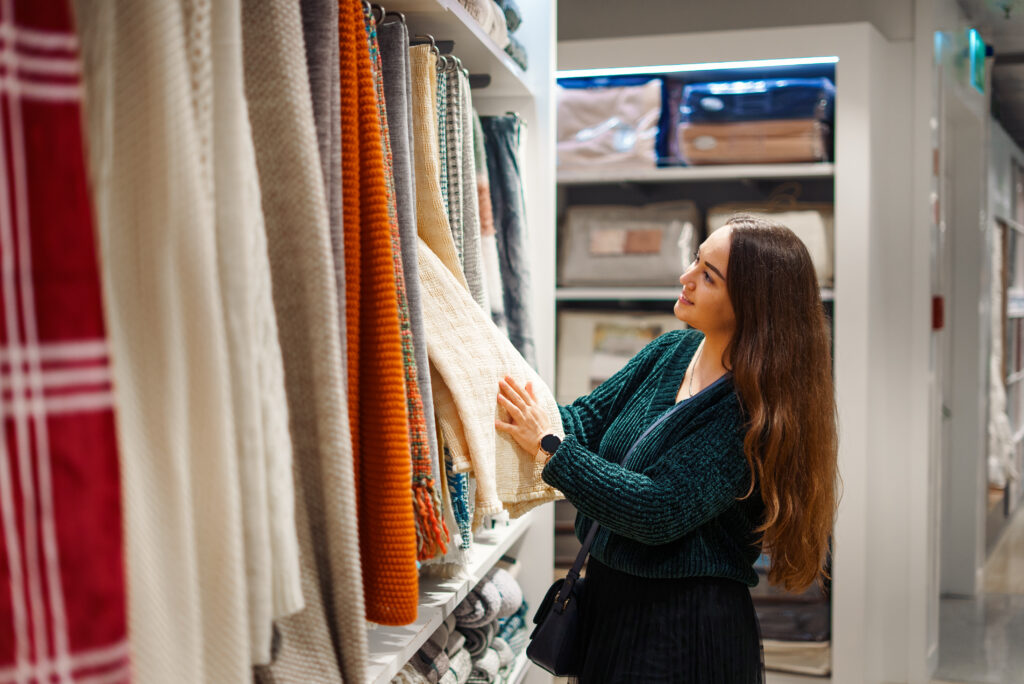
{"x": 571, "y": 577}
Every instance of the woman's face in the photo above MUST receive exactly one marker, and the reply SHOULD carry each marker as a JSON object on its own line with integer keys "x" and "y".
{"x": 704, "y": 302}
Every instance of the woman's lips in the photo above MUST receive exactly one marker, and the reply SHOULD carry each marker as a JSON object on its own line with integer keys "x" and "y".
{"x": 684, "y": 300}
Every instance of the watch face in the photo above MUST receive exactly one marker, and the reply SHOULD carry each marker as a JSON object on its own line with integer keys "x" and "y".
{"x": 550, "y": 443}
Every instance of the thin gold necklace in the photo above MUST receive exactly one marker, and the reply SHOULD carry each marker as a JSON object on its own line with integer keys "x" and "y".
{"x": 693, "y": 368}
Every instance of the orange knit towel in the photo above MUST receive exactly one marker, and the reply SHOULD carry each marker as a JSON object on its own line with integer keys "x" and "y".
{"x": 377, "y": 398}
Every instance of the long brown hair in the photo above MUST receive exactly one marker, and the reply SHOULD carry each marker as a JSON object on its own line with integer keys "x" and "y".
{"x": 781, "y": 360}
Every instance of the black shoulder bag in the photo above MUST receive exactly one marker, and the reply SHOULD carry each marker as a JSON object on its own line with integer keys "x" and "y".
{"x": 554, "y": 642}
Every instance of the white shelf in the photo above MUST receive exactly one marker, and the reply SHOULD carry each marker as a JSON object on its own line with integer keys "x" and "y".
{"x": 675, "y": 174}
{"x": 392, "y": 647}
{"x": 636, "y": 294}
{"x": 449, "y": 20}
{"x": 598, "y": 294}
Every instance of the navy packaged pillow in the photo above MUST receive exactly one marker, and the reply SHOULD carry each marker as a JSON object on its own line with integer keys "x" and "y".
{"x": 758, "y": 100}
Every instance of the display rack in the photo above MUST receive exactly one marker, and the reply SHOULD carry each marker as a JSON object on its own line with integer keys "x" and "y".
{"x": 509, "y": 88}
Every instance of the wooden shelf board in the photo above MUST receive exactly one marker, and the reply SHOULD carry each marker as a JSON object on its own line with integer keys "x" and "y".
{"x": 675, "y": 174}
{"x": 477, "y": 51}
{"x": 392, "y": 647}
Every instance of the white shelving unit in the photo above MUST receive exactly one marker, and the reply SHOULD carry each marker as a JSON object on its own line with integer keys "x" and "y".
{"x": 449, "y": 20}
{"x": 677, "y": 174}
{"x": 885, "y": 593}
{"x": 530, "y": 94}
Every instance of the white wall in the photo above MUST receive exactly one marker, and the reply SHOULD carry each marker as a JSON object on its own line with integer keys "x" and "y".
{"x": 583, "y": 19}
{"x": 1002, "y": 149}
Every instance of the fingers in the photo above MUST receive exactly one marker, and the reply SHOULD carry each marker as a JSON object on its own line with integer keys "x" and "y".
{"x": 521, "y": 397}
{"x": 514, "y": 411}
{"x": 529, "y": 389}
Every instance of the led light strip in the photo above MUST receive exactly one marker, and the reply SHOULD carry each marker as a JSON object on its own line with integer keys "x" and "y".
{"x": 681, "y": 68}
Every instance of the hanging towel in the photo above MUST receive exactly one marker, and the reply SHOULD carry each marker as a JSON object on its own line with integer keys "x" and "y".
{"x": 502, "y": 140}
{"x": 470, "y": 356}
{"x": 489, "y": 263}
{"x": 394, "y": 47}
{"x": 469, "y": 209}
{"x": 332, "y": 629}
{"x": 305, "y": 651}
{"x": 457, "y": 517}
{"x": 146, "y": 68}
{"x": 431, "y": 209}
{"x": 63, "y": 599}
{"x": 320, "y": 29}
{"x": 254, "y": 353}
{"x": 431, "y": 532}
{"x": 451, "y": 100}
{"x": 377, "y": 400}
{"x": 461, "y": 498}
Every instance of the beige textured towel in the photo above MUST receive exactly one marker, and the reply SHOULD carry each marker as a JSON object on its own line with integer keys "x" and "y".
{"x": 158, "y": 255}
{"x": 305, "y": 297}
{"x": 468, "y": 355}
{"x": 431, "y": 214}
{"x": 257, "y": 375}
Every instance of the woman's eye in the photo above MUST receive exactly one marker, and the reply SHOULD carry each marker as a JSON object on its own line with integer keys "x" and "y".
{"x": 707, "y": 277}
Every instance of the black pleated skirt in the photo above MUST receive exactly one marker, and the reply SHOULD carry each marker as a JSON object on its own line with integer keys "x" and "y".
{"x": 659, "y": 631}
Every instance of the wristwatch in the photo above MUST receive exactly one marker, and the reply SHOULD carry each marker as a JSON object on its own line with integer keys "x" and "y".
{"x": 549, "y": 444}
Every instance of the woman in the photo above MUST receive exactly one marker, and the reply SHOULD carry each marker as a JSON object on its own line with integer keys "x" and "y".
{"x": 737, "y": 451}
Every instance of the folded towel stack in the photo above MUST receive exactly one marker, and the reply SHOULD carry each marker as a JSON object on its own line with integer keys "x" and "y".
{"x": 478, "y": 643}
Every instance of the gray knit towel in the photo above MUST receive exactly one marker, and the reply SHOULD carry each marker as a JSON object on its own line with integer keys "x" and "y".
{"x": 480, "y": 606}
{"x": 478, "y": 639}
{"x": 517, "y": 641}
{"x": 461, "y": 665}
{"x": 431, "y": 661}
{"x": 510, "y": 591}
{"x": 486, "y": 666}
{"x": 409, "y": 675}
{"x": 503, "y": 650}
{"x": 456, "y": 640}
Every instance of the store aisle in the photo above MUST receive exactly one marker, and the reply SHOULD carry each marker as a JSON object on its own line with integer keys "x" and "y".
{"x": 980, "y": 638}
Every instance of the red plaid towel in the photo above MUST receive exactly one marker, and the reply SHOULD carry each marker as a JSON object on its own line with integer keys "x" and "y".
{"x": 62, "y": 586}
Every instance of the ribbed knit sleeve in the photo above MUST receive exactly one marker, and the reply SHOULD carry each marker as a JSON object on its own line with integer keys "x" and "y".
{"x": 694, "y": 481}
{"x": 588, "y": 417}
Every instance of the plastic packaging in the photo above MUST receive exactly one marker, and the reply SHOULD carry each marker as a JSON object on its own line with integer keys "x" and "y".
{"x": 612, "y": 127}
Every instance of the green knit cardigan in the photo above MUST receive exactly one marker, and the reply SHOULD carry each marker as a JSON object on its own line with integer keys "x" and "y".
{"x": 673, "y": 509}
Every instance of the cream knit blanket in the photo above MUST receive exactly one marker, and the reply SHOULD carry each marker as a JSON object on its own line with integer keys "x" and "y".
{"x": 468, "y": 355}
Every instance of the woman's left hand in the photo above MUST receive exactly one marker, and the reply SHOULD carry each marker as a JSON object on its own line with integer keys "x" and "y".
{"x": 529, "y": 421}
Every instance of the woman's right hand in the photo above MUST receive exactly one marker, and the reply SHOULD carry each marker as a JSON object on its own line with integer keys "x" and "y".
{"x": 529, "y": 422}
